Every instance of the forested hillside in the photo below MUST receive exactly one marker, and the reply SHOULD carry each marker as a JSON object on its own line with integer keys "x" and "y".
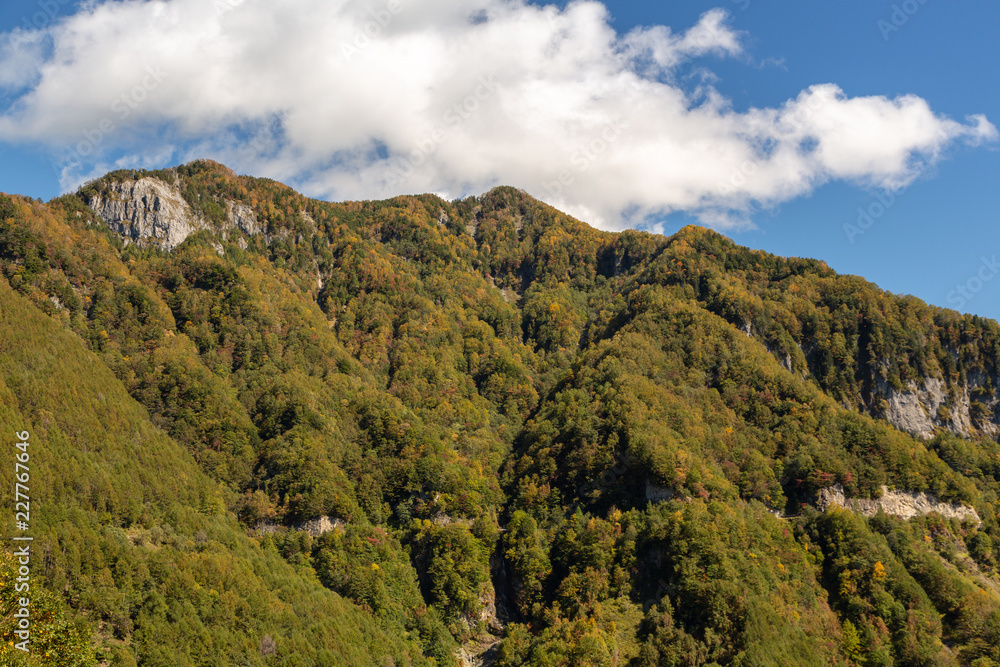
{"x": 533, "y": 443}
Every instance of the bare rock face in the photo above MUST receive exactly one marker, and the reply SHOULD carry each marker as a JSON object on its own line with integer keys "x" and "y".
{"x": 481, "y": 651}
{"x": 243, "y": 218}
{"x": 151, "y": 212}
{"x": 657, "y": 494}
{"x": 968, "y": 407}
{"x": 479, "y": 654}
{"x": 903, "y": 504}
{"x": 147, "y": 211}
{"x": 320, "y": 526}
{"x": 920, "y": 410}
{"x": 315, "y": 527}
{"x": 915, "y": 410}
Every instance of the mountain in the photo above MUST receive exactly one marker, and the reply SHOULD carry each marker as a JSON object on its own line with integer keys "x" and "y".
{"x": 271, "y": 430}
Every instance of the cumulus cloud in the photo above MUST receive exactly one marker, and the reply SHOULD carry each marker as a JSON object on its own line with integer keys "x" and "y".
{"x": 20, "y": 53}
{"x": 352, "y": 99}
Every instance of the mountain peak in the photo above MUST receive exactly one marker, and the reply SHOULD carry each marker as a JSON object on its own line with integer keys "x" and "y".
{"x": 506, "y": 421}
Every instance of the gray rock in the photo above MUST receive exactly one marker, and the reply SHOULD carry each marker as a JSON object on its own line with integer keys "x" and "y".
{"x": 320, "y": 526}
{"x": 147, "y": 212}
{"x": 150, "y": 212}
{"x": 658, "y": 494}
{"x": 243, "y": 218}
{"x": 914, "y": 410}
{"x": 917, "y": 409}
{"x": 903, "y": 504}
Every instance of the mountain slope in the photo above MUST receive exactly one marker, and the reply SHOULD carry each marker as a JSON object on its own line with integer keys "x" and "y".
{"x": 596, "y": 448}
{"x": 126, "y": 523}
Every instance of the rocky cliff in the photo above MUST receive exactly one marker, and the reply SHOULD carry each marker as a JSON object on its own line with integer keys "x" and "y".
{"x": 923, "y": 409}
{"x": 151, "y": 212}
{"x": 244, "y": 219}
{"x": 967, "y": 404}
{"x": 146, "y": 211}
{"x": 903, "y": 504}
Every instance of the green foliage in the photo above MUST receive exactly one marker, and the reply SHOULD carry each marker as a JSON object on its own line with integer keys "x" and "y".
{"x": 56, "y": 638}
{"x": 370, "y": 567}
{"x": 892, "y": 613}
{"x": 137, "y": 536}
{"x": 454, "y": 565}
{"x": 499, "y": 408}
{"x": 526, "y": 549}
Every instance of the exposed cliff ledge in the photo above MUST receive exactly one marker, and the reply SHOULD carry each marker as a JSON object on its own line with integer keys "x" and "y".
{"x": 903, "y": 504}
{"x": 243, "y": 218}
{"x": 315, "y": 527}
{"x": 914, "y": 410}
{"x": 146, "y": 211}
{"x": 920, "y": 410}
{"x": 149, "y": 211}
{"x": 967, "y": 406}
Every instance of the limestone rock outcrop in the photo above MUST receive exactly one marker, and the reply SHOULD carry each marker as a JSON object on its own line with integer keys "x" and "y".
{"x": 920, "y": 409}
{"x": 146, "y": 211}
{"x": 151, "y": 212}
{"x": 321, "y": 525}
{"x": 243, "y": 218}
{"x": 903, "y": 504}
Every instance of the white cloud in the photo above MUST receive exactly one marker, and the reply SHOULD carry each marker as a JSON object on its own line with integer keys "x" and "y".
{"x": 666, "y": 50}
{"x": 20, "y": 53}
{"x": 357, "y": 99}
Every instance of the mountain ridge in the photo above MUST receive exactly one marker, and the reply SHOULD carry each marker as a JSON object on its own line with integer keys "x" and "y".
{"x": 479, "y": 397}
{"x": 912, "y": 407}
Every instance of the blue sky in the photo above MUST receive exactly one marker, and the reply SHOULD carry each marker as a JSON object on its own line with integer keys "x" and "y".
{"x": 777, "y": 123}
{"x": 935, "y": 236}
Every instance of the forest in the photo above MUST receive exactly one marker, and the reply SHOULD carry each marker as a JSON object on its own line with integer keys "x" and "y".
{"x": 532, "y": 442}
